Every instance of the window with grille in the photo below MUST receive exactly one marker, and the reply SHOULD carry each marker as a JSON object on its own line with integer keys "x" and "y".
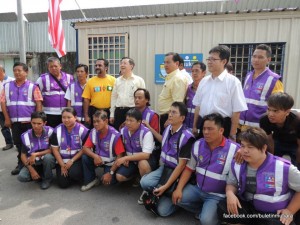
{"x": 241, "y": 54}
{"x": 112, "y": 47}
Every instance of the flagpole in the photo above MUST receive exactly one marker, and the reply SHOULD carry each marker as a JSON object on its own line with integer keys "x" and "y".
{"x": 22, "y": 43}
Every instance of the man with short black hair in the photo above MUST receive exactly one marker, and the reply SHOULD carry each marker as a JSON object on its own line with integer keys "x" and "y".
{"x": 282, "y": 127}
{"x": 220, "y": 92}
{"x": 174, "y": 87}
{"x": 36, "y": 152}
{"x": 258, "y": 86}
{"x": 98, "y": 91}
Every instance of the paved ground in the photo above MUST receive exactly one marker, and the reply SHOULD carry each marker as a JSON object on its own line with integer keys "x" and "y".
{"x": 26, "y": 203}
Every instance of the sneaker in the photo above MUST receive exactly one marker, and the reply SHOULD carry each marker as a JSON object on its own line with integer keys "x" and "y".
{"x": 90, "y": 185}
{"x": 136, "y": 182}
{"x": 140, "y": 201}
{"x": 45, "y": 184}
{"x": 7, "y": 147}
{"x": 15, "y": 171}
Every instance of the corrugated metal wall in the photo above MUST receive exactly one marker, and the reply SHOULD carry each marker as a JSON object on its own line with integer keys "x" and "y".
{"x": 197, "y": 35}
{"x": 36, "y": 35}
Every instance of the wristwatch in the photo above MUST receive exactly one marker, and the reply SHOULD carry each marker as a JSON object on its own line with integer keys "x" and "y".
{"x": 111, "y": 172}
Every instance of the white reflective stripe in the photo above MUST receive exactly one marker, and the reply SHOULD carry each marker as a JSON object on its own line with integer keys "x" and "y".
{"x": 53, "y": 93}
{"x": 266, "y": 88}
{"x": 166, "y": 135}
{"x": 107, "y": 161}
{"x": 237, "y": 170}
{"x": 47, "y": 80}
{"x": 23, "y": 119}
{"x": 168, "y": 158}
{"x": 69, "y": 152}
{"x": 81, "y": 129}
{"x": 182, "y": 136}
{"x": 196, "y": 147}
{"x": 247, "y": 123}
{"x": 21, "y": 103}
{"x": 56, "y": 110}
{"x": 30, "y": 91}
{"x": 229, "y": 158}
{"x": 279, "y": 166}
{"x": 76, "y": 103}
{"x": 218, "y": 194}
{"x": 58, "y": 133}
{"x": 111, "y": 142}
{"x": 7, "y": 94}
{"x": 246, "y": 80}
{"x": 72, "y": 90}
{"x": 211, "y": 174}
{"x": 141, "y": 138}
{"x": 94, "y": 140}
{"x": 68, "y": 78}
{"x": 26, "y": 139}
{"x": 80, "y": 118}
{"x": 256, "y": 102}
{"x": 148, "y": 117}
{"x": 191, "y": 110}
{"x": 272, "y": 199}
{"x": 50, "y": 131}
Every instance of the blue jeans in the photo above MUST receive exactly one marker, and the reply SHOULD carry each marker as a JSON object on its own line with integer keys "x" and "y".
{"x": 203, "y": 203}
{"x": 5, "y": 130}
{"x": 89, "y": 173}
{"x": 48, "y": 163}
{"x": 149, "y": 181}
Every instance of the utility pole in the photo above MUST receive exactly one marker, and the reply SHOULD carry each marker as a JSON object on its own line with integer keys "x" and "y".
{"x": 22, "y": 43}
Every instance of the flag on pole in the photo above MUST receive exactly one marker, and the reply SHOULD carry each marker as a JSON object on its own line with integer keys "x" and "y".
{"x": 55, "y": 29}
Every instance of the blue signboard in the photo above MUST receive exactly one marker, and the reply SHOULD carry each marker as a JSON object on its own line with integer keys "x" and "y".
{"x": 160, "y": 72}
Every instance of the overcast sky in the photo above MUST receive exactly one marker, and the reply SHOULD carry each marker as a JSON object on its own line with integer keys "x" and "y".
{"x": 30, "y": 6}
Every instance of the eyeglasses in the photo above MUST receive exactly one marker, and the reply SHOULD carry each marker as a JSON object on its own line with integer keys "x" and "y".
{"x": 173, "y": 112}
{"x": 212, "y": 59}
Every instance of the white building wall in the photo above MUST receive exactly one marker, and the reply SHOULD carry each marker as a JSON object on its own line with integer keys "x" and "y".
{"x": 198, "y": 34}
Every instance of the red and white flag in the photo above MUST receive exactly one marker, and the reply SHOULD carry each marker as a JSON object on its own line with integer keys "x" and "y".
{"x": 55, "y": 29}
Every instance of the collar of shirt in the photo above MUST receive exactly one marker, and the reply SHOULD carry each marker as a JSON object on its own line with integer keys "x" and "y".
{"x": 172, "y": 74}
{"x": 260, "y": 73}
{"x": 175, "y": 131}
{"x": 43, "y": 133}
{"x": 130, "y": 77}
{"x": 220, "y": 146}
{"x": 103, "y": 135}
{"x": 221, "y": 76}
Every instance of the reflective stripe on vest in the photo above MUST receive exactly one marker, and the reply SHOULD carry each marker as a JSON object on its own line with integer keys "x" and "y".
{"x": 168, "y": 158}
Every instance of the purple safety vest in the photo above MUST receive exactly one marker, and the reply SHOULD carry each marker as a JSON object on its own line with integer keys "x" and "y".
{"x": 171, "y": 143}
{"x": 134, "y": 143}
{"x": 53, "y": 96}
{"x": 105, "y": 146}
{"x": 76, "y": 99}
{"x": 70, "y": 144}
{"x": 36, "y": 144}
{"x": 189, "y": 119}
{"x": 213, "y": 167}
{"x": 20, "y": 101}
{"x": 256, "y": 93}
{"x": 148, "y": 114}
{"x": 272, "y": 191}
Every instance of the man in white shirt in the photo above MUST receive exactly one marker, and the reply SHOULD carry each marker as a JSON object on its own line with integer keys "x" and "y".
{"x": 220, "y": 92}
{"x": 122, "y": 98}
{"x": 5, "y": 130}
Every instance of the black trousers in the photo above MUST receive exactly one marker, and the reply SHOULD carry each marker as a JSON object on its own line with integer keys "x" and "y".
{"x": 53, "y": 120}
{"x": 120, "y": 116}
{"x": 162, "y": 119}
{"x": 75, "y": 173}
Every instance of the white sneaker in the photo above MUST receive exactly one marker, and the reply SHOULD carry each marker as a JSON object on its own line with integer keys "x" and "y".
{"x": 90, "y": 185}
{"x": 140, "y": 200}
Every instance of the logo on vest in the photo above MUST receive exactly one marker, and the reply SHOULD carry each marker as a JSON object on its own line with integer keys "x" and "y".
{"x": 221, "y": 158}
{"x": 174, "y": 145}
{"x": 76, "y": 139}
{"x": 269, "y": 179}
{"x": 201, "y": 158}
{"x": 259, "y": 88}
{"x": 106, "y": 146}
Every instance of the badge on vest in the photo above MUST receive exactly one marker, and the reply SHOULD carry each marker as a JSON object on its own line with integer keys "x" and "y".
{"x": 221, "y": 158}
{"x": 76, "y": 139}
{"x": 201, "y": 158}
{"x": 106, "y": 146}
{"x": 269, "y": 179}
{"x": 259, "y": 87}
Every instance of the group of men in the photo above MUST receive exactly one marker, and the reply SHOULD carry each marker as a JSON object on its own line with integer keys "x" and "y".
{"x": 128, "y": 138}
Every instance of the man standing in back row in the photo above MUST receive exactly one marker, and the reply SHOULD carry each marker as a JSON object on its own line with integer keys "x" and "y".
{"x": 174, "y": 87}
{"x": 220, "y": 92}
{"x": 53, "y": 86}
{"x": 259, "y": 85}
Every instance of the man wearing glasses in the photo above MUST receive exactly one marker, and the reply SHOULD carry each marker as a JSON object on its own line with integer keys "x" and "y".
{"x": 220, "y": 92}
{"x": 259, "y": 85}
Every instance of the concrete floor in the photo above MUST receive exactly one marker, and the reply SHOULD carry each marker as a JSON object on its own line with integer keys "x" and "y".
{"x": 26, "y": 203}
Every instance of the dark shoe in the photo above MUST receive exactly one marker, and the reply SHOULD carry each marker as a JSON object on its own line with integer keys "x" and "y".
{"x": 141, "y": 199}
{"x": 15, "y": 171}
{"x": 45, "y": 184}
{"x": 7, "y": 147}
